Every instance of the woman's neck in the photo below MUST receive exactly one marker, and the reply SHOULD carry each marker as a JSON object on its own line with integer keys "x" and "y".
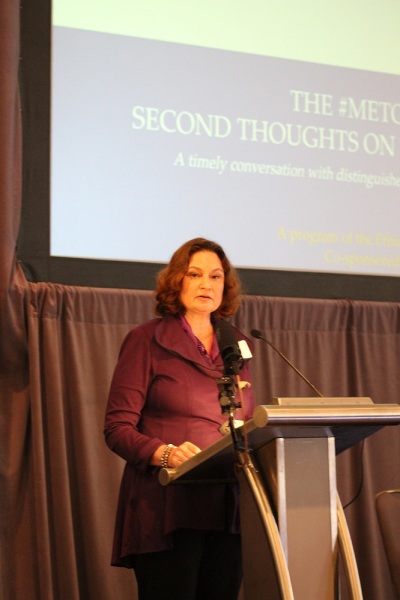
{"x": 200, "y": 325}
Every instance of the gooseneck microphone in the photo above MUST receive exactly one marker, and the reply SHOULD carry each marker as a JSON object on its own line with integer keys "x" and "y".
{"x": 228, "y": 347}
{"x": 259, "y": 336}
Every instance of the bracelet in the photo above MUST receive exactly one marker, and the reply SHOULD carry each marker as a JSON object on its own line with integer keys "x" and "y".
{"x": 165, "y": 455}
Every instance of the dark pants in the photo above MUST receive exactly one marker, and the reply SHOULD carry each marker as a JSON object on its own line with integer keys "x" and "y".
{"x": 201, "y": 566}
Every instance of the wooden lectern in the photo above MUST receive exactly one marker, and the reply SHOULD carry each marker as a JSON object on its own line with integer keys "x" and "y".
{"x": 293, "y": 525}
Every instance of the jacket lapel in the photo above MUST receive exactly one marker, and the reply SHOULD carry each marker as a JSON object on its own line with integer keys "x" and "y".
{"x": 171, "y": 336}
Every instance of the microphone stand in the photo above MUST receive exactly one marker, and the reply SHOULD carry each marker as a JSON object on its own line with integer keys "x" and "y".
{"x": 231, "y": 357}
{"x": 227, "y": 399}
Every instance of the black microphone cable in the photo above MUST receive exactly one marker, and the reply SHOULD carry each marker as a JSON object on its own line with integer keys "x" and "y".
{"x": 256, "y": 333}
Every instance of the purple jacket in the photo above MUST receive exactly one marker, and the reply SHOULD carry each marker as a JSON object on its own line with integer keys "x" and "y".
{"x": 165, "y": 391}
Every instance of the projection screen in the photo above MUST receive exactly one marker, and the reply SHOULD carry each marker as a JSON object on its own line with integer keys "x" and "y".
{"x": 273, "y": 129}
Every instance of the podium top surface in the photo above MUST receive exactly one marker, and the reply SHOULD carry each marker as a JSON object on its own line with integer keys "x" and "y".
{"x": 347, "y": 422}
{"x": 326, "y": 413}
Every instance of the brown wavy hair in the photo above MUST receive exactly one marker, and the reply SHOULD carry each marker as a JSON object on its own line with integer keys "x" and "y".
{"x": 169, "y": 280}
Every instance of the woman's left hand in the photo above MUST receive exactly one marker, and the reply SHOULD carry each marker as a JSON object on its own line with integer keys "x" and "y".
{"x": 182, "y": 453}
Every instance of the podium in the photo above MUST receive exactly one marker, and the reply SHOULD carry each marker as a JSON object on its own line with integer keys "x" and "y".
{"x": 293, "y": 525}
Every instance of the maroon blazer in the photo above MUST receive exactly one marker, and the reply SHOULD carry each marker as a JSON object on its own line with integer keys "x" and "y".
{"x": 165, "y": 391}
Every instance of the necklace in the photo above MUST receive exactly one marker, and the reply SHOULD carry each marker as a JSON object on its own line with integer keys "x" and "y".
{"x": 200, "y": 343}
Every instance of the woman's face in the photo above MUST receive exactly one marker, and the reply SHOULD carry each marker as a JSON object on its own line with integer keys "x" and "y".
{"x": 203, "y": 283}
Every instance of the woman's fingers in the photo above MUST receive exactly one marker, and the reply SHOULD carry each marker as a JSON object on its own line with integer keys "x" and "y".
{"x": 182, "y": 453}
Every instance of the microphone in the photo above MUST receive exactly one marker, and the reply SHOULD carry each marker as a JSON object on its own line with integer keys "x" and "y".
{"x": 259, "y": 336}
{"x": 228, "y": 347}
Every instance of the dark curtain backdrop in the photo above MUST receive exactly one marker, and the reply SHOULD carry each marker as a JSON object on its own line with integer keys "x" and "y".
{"x": 58, "y": 347}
